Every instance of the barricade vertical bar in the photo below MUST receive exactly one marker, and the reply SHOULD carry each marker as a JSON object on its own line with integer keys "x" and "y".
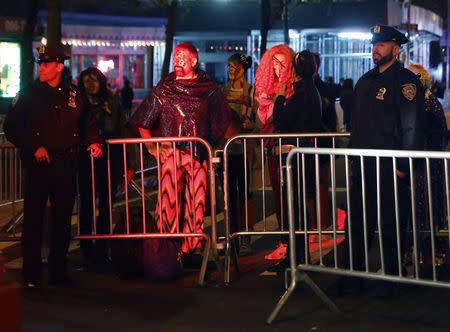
{"x": 380, "y": 230}
{"x": 282, "y": 184}
{"x": 125, "y": 186}
{"x": 317, "y": 204}
{"x": 245, "y": 185}
{"x": 397, "y": 217}
{"x": 213, "y": 202}
{"x": 333, "y": 205}
{"x": 94, "y": 212}
{"x": 263, "y": 175}
{"x": 191, "y": 161}
{"x": 299, "y": 199}
{"x": 447, "y": 196}
{"x": 226, "y": 216}
{"x": 413, "y": 217}
{"x": 158, "y": 163}
{"x": 430, "y": 211}
{"x": 363, "y": 191}
{"x": 305, "y": 211}
{"x": 175, "y": 177}
{"x": 108, "y": 165}
{"x": 349, "y": 214}
{"x": 141, "y": 161}
{"x": 2, "y": 182}
{"x": 11, "y": 168}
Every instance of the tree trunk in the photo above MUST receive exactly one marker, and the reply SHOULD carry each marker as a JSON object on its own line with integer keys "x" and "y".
{"x": 170, "y": 33}
{"x": 54, "y": 23}
{"x": 27, "y": 58}
{"x": 265, "y": 24}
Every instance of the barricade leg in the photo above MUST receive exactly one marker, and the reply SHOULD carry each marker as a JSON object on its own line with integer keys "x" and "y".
{"x": 201, "y": 277}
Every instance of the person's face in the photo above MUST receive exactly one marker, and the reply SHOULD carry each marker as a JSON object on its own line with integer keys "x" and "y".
{"x": 184, "y": 63}
{"x": 280, "y": 65}
{"x": 91, "y": 84}
{"x": 50, "y": 71}
{"x": 384, "y": 52}
{"x": 235, "y": 71}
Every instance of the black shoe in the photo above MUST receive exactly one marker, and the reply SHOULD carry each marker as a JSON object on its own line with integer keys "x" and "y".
{"x": 31, "y": 284}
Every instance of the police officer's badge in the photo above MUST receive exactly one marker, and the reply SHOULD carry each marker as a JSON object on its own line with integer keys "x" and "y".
{"x": 377, "y": 29}
{"x": 72, "y": 96}
{"x": 380, "y": 94}
{"x": 409, "y": 91}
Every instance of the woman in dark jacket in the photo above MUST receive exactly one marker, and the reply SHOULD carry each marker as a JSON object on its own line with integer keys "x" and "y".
{"x": 105, "y": 107}
{"x": 300, "y": 114}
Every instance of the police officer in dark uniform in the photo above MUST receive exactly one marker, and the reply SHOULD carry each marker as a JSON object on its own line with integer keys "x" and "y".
{"x": 389, "y": 109}
{"x": 44, "y": 122}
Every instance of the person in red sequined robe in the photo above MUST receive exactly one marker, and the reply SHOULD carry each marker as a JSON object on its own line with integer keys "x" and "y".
{"x": 185, "y": 103}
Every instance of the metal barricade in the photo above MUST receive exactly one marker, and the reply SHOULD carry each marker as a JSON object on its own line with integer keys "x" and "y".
{"x": 176, "y": 155}
{"x": 272, "y": 148}
{"x": 399, "y": 199}
{"x": 11, "y": 194}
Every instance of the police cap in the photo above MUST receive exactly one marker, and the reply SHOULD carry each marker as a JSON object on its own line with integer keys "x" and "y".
{"x": 47, "y": 54}
{"x": 384, "y": 33}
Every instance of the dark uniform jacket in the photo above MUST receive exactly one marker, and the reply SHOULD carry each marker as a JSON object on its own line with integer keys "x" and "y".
{"x": 50, "y": 117}
{"x": 389, "y": 110}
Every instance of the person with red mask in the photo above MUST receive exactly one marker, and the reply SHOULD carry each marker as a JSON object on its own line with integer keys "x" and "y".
{"x": 45, "y": 122}
{"x": 274, "y": 71}
{"x": 184, "y": 103}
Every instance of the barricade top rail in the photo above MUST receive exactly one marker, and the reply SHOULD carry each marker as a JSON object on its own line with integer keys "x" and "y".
{"x": 293, "y": 135}
{"x": 371, "y": 153}
{"x": 157, "y": 140}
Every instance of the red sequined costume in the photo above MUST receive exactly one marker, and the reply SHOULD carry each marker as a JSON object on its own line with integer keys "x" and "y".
{"x": 189, "y": 107}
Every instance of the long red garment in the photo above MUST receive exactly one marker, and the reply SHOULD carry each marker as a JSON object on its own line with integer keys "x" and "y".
{"x": 194, "y": 107}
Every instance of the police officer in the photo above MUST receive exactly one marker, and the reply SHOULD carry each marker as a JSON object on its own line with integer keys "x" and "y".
{"x": 389, "y": 107}
{"x": 44, "y": 123}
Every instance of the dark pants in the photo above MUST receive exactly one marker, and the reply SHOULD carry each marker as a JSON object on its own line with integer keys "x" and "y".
{"x": 387, "y": 210}
{"x": 55, "y": 181}
{"x": 236, "y": 192}
{"x": 98, "y": 250}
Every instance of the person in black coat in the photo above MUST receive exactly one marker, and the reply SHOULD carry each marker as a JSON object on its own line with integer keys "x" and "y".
{"x": 45, "y": 123}
{"x": 300, "y": 114}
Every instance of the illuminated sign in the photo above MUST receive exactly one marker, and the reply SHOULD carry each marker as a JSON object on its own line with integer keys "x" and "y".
{"x": 105, "y": 65}
{"x": 9, "y": 69}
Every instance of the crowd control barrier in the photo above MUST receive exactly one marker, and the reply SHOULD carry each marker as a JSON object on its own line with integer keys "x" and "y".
{"x": 182, "y": 177}
{"x": 397, "y": 221}
{"x": 268, "y": 152}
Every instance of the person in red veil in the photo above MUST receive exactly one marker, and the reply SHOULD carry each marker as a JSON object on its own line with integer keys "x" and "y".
{"x": 274, "y": 71}
{"x": 185, "y": 103}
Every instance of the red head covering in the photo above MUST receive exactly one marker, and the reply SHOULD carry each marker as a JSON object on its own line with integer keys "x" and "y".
{"x": 266, "y": 82}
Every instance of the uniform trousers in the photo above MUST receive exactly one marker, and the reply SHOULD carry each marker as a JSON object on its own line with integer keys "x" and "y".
{"x": 387, "y": 214}
{"x": 55, "y": 181}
